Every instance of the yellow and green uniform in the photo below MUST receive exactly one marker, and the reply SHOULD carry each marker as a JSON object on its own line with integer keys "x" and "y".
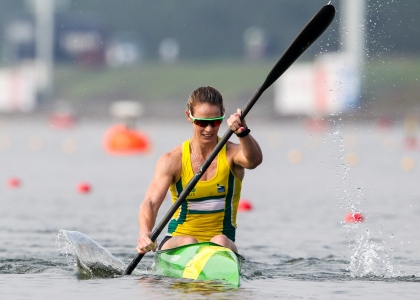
{"x": 211, "y": 207}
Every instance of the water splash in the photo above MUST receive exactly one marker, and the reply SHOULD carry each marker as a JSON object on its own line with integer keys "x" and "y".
{"x": 92, "y": 260}
{"x": 370, "y": 259}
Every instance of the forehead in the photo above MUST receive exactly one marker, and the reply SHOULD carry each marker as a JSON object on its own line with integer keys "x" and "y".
{"x": 205, "y": 110}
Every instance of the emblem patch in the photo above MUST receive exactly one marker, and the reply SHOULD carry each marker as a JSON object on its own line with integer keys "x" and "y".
{"x": 221, "y": 188}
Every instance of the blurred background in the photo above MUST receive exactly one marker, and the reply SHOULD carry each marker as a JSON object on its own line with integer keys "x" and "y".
{"x": 78, "y": 57}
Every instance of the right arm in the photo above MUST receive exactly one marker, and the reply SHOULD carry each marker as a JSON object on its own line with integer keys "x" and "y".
{"x": 167, "y": 170}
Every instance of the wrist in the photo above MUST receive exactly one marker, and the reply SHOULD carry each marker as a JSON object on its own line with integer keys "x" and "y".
{"x": 145, "y": 232}
{"x": 243, "y": 133}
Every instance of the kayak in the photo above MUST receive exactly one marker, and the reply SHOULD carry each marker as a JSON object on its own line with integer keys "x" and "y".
{"x": 200, "y": 261}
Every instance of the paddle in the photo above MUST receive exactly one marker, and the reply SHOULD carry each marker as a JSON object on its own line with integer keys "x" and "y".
{"x": 309, "y": 34}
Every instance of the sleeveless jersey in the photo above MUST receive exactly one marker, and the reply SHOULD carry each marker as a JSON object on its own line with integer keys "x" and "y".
{"x": 211, "y": 207}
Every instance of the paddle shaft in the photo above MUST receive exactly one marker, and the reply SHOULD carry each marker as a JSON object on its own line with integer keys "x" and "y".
{"x": 316, "y": 26}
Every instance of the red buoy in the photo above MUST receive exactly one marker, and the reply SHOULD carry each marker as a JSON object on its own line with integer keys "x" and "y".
{"x": 411, "y": 142}
{"x": 244, "y": 205}
{"x": 316, "y": 124}
{"x": 14, "y": 182}
{"x": 62, "y": 120}
{"x": 384, "y": 123}
{"x": 84, "y": 188}
{"x": 354, "y": 217}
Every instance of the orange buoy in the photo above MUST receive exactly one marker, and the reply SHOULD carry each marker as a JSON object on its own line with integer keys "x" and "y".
{"x": 244, "y": 205}
{"x": 408, "y": 163}
{"x": 122, "y": 140}
{"x": 351, "y": 159}
{"x": 14, "y": 182}
{"x": 84, "y": 188}
{"x": 294, "y": 156}
{"x": 354, "y": 217}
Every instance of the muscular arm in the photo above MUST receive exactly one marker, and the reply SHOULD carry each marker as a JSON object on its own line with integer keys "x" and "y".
{"x": 167, "y": 169}
{"x": 247, "y": 154}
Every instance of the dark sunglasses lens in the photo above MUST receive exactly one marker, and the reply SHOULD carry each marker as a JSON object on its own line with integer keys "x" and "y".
{"x": 204, "y": 124}
{"x": 201, "y": 123}
{"x": 216, "y": 123}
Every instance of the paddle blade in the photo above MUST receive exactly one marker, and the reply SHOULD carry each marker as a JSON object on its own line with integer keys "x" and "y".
{"x": 310, "y": 33}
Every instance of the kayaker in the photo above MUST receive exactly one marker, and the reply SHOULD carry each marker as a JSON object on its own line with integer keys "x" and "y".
{"x": 209, "y": 212}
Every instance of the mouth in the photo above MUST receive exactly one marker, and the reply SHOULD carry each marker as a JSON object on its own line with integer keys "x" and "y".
{"x": 207, "y": 135}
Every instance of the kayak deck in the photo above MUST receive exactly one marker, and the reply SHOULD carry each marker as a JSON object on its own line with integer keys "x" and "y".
{"x": 200, "y": 261}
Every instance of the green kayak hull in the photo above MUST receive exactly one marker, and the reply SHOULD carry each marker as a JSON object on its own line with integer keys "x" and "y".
{"x": 201, "y": 261}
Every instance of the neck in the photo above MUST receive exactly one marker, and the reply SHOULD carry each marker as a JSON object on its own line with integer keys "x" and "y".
{"x": 202, "y": 150}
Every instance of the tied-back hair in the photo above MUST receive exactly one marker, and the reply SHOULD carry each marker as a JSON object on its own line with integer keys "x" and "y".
{"x": 205, "y": 94}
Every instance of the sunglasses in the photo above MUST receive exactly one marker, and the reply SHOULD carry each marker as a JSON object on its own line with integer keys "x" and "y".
{"x": 204, "y": 122}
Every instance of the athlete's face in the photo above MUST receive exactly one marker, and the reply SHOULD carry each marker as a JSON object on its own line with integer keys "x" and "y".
{"x": 205, "y": 130}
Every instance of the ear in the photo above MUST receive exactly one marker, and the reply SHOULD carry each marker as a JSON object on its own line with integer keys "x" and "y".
{"x": 187, "y": 113}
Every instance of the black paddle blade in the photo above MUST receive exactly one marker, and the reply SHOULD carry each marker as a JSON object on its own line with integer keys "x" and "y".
{"x": 309, "y": 34}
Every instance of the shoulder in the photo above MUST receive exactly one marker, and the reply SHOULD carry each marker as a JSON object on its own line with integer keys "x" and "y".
{"x": 170, "y": 163}
{"x": 172, "y": 156}
{"x": 232, "y": 148}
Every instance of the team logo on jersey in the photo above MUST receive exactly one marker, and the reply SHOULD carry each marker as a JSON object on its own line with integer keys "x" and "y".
{"x": 221, "y": 188}
{"x": 192, "y": 193}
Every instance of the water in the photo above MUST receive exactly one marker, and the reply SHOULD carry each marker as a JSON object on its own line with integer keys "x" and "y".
{"x": 295, "y": 240}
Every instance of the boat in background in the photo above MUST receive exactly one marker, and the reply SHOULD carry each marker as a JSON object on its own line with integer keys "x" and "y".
{"x": 205, "y": 261}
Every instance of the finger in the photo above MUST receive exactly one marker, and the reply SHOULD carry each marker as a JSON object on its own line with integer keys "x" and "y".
{"x": 151, "y": 246}
{"x": 233, "y": 121}
{"x": 234, "y": 127}
{"x": 239, "y": 113}
{"x": 145, "y": 240}
{"x": 140, "y": 251}
{"x": 236, "y": 122}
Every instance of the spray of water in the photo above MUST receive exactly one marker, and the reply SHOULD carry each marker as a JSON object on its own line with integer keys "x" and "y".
{"x": 370, "y": 259}
{"x": 92, "y": 259}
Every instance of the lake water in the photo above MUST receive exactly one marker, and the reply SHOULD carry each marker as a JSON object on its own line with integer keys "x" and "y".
{"x": 295, "y": 240}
